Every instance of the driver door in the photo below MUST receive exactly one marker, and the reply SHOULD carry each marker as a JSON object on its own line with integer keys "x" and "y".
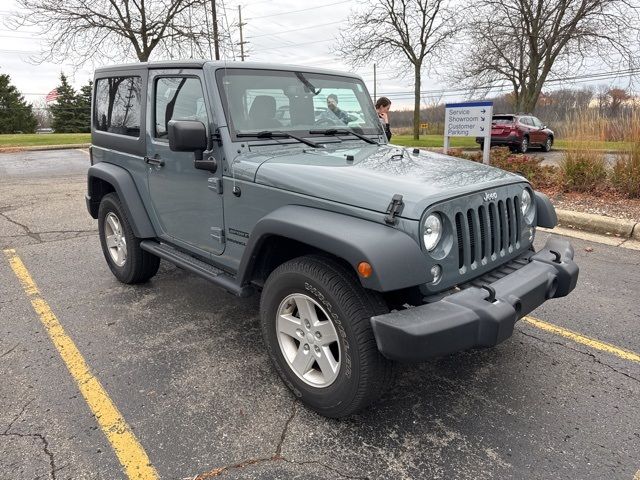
{"x": 537, "y": 134}
{"x": 186, "y": 203}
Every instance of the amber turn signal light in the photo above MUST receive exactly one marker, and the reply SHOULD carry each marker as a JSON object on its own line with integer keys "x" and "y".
{"x": 365, "y": 269}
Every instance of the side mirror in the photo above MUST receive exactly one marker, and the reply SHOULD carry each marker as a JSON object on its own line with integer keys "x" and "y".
{"x": 187, "y": 136}
{"x": 191, "y": 136}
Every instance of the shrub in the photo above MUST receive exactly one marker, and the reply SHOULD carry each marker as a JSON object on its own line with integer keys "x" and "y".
{"x": 528, "y": 167}
{"x": 625, "y": 176}
{"x": 583, "y": 168}
{"x": 457, "y": 152}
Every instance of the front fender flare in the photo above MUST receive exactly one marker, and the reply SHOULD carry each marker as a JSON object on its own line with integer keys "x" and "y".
{"x": 397, "y": 260}
{"x": 545, "y": 211}
{"x": 128, "y": 194}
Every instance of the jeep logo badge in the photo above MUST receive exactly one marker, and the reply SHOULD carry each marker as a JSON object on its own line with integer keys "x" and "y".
{"x": 489, "y": 196}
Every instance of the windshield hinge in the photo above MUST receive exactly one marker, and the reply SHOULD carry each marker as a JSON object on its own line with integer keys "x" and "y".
{"x": 394, "y": 208}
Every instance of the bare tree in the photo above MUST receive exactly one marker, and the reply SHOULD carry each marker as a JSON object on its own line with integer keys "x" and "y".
{"x": 410, "y": 32}
{"x": 114, "y": 30}
{"x": 42, "y": 113}
{"x": 524, "y": 43}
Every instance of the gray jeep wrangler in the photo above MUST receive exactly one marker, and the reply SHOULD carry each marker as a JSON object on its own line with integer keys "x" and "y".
{"x": 364, "y": 253}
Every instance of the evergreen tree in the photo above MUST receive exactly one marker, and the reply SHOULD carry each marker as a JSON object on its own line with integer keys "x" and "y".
{"x": 15, "y": 114}
{"x": 83, "y": 104}
{"x": 65, "y": 109}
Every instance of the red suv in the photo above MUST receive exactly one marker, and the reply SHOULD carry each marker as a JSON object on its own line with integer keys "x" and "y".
{"x": 519, "y": 132}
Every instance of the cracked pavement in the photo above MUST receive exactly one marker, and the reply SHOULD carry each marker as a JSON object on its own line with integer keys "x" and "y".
{"x": 185, "y": 365}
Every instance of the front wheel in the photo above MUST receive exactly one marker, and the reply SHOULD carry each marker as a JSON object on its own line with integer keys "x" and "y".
{"x": 121, "y": 249}
{"x": 316, "y": 325}
{"x": 548, "y": 144}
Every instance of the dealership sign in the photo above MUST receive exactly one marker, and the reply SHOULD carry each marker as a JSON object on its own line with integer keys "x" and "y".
{"x": 470, "y": 119}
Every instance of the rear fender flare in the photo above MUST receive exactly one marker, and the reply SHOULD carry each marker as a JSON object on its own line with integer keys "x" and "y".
{"x": 128, "y": 194}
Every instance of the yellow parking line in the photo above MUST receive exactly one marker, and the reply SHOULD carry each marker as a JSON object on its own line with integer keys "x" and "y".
{"x": 131, "y": 454}
{"x": 583, "y": 340}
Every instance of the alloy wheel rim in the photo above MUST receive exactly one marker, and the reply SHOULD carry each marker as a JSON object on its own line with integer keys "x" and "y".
{"x": 116, "y": 242}
{"x": 308, "y": 340}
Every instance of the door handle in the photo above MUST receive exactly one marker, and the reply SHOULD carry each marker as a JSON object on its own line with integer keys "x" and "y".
{"x": 154, "y": 161}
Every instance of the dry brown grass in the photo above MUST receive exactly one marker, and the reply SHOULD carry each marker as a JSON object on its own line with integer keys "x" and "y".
{"x": 583, "y": 167}
{"x": 592, "y": 126}
{"x": 625, "y": 176}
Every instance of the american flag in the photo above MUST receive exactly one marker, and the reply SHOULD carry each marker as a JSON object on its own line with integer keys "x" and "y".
{"x": 51, "y": 96}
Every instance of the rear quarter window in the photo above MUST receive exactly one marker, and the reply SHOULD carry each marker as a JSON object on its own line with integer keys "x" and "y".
{"x": 117, "y": 105}
{"x": 502, "y": 120}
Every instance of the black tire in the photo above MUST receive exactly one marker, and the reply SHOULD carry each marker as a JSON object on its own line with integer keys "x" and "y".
{"x": 481, "y": 146}
{"x": 138, "y": 266}
{"x": 364, "y": 374}
{"x": 524, "y": 145}
{"x": 548, "y": 144}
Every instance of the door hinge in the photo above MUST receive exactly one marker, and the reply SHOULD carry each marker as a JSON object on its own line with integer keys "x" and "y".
{"x": 216, "y": 137}
{"x": 218, "y": 234}
{"x": 215, "y": 184}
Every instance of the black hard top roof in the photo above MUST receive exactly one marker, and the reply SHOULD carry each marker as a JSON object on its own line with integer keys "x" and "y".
{"x": 199, "y": 63}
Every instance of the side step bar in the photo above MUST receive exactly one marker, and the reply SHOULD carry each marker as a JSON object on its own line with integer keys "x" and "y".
{"x": 200, "y": 268}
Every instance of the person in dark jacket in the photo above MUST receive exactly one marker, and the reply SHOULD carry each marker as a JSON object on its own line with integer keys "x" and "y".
{"x": 334, "y": 113}
{"x": 382, "y": 107}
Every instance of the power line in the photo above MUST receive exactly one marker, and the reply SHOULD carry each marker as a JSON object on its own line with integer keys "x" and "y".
{"x": 301, "y": 10}
{"x": 292, "y": 30}
{"x": 295, "y": 45}
{"x": 458, "y": 91}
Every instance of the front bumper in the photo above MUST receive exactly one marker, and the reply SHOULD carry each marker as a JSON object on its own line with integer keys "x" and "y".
{"x": 469, "y": 318}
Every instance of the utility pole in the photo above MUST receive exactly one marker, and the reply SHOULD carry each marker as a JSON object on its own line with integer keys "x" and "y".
{"x": 374, "y": 84}
{"x": 216, "y": 45}
{"x": 240, "y": 24}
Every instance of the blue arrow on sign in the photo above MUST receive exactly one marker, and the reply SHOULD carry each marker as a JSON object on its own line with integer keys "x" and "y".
{"x": 482, "y": 111}
{"x": 482, "y": 129}
{"x": 482, "y": 119}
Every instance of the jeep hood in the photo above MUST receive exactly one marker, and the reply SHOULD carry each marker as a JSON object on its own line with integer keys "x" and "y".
{"x": 375, "y": 174}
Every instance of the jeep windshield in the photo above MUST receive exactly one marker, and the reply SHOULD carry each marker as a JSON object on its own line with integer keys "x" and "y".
{"x": 300, "y": 103}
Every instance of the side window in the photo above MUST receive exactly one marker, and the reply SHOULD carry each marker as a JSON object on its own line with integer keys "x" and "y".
{"x": 178, "y": 98}
{"x": 536, "y": 122}
{"x": 525, "y": 121}
{"x": 117, "y": 105}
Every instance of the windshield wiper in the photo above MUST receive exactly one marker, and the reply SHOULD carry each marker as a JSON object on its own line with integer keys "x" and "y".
{"x": 308, "y": 84}
{"x": 342, "y": 131}
{"x": 270, "y": 134}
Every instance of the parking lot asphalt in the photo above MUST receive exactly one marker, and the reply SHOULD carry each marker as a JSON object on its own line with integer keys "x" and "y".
{"x": 185, "y": 365}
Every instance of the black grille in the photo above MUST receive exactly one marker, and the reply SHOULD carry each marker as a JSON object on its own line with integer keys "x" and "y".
{"x": 488, "y": 232}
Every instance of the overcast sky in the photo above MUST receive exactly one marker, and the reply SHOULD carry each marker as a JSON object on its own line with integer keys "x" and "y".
{"x": 285, "y": 31}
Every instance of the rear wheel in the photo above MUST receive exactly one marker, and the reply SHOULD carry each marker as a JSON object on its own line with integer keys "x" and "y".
{"x": 524, "y": 145}
{"x": 121, "y": 249}
{"x": 316, "y": 325}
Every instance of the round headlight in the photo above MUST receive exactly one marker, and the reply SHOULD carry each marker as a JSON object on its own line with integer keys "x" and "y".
{"x": 525, "y": 202}
{"x": 432, "y": 232}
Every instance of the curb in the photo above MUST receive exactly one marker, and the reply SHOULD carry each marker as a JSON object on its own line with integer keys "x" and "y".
{"x": 599, "y": 224}
{"x": 69, "y": 146}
